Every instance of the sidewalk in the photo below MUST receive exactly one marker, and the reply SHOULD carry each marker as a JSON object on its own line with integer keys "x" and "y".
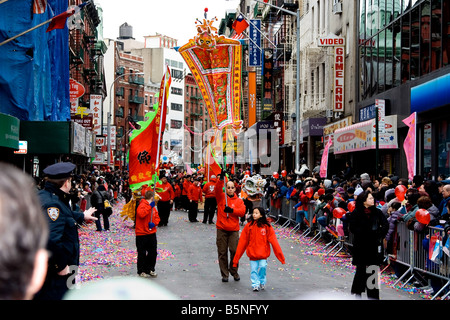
{"x": 187, "y": 264}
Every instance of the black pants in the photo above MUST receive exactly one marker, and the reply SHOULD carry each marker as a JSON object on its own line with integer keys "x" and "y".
{"x": 164, "y": 212}
{"x": 248, "y": 209}
{"x": 193, "y": 211}
{"x": 146, "y": 253}
{"x": 185, "y": 202}
{"x": 55, "y": 287}
{"x": 363, "y": 281}
{"x": 210, "y": 209}
{"x": 105, "y": 221}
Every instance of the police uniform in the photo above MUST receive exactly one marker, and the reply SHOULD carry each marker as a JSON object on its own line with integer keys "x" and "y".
{"x": 63, "y": 240}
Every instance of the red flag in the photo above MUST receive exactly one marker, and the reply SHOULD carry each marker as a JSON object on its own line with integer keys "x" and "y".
{"x": 240, "y": 24}
{"x": 145, "y": 143}
{"x": 59, "y": 21}
{"x": 212, "y": 162}
{"x": 39, "y": 6}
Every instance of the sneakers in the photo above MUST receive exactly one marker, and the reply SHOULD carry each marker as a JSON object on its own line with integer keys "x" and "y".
{"x": 152, "y": 274}
{"x": 260, "y": 287}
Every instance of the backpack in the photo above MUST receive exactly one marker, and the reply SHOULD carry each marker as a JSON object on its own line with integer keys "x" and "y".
{"x": 107, "y": 207}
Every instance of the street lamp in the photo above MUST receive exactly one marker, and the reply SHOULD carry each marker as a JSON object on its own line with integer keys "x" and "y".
{"x": 297, "y": 99}
{"x": 109, "y": 112}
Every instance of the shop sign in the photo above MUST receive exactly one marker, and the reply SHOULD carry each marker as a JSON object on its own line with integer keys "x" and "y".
{"x": 362, "y": 136}
{"x": 339, "y": 58}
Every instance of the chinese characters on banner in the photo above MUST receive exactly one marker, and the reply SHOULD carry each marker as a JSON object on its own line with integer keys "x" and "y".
{"x": 278, "y": 124}
{"x": 268, "y": 81}
{"x": 254, "y": 45}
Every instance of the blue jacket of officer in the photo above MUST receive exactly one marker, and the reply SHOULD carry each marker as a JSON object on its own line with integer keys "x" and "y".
{"x": 63, "y": 240}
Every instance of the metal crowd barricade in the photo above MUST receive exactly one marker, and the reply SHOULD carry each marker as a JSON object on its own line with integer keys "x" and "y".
{"x": 412, "y": 253}
{"x": 409, "y": 249}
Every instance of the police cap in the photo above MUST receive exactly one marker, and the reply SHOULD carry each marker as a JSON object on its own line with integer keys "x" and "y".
{"x": 60, "y": 170}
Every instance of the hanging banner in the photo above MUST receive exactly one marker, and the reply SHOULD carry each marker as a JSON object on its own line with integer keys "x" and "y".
{"x": 268, "y": 81}
{"x": 251, "y": 98}
{"x": 324, "y": 162}
{"x": 409, "y": 145}
{"x": 254, "y": 45}
{"x": 215, "y": 63}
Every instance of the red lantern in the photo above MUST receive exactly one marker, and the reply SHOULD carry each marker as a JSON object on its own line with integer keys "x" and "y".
{"x": 423, "y": 216}
{"x": 309, "y": 192}
{"x": 338, "y": 212}
{"x": 276, "y": 175}
{"x": 400, "y": 191}
{"x": 351, "y": 206}
{"x": 284, "y": 173}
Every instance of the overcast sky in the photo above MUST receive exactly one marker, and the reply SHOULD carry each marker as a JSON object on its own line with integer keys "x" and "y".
{"x": 173, "y": 18}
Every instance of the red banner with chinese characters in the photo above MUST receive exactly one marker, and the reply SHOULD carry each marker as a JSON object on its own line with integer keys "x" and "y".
{"x": 145, "y": 143}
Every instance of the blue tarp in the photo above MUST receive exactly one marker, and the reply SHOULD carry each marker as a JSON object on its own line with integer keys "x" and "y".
{"x": 34, "y": 68}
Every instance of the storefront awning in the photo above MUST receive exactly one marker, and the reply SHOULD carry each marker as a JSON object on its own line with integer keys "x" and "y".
{"x": 362, "y": 136}
{"x": 46, "y": 136}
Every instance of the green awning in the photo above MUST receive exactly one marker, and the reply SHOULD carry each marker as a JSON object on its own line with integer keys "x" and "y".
{"x": 9, "y": 131}
{"x": 46, "y": 137}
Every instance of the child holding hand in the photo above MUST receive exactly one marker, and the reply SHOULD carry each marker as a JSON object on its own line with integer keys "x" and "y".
{"x": 255, "y": 239}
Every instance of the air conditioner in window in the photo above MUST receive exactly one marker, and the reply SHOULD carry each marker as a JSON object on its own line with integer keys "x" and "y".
{"x": 337, "y": 7}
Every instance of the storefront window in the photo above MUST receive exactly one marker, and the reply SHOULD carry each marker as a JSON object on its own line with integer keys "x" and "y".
{"x": 397, "y": 8}
{"x": 415, "y": 42}
{"x": 427, "y": 150}
{"x": 375, "y": 66}
{"x": 436, "y": 45}
{"x": 396, "y": 47}
{"x": 381, "y": 61}
{"x": 405, "y": 48}
{"x": 443, "y": 148}
{"x": 425, "y": 36}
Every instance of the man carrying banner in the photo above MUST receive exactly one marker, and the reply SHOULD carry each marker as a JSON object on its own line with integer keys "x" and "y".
{"x": 229, "y": 209}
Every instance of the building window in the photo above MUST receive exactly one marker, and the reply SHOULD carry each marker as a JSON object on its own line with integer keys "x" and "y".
{"x": 176, "y": 106}
{"x": 177, "y": 91}
{"x": 176, "y": 124}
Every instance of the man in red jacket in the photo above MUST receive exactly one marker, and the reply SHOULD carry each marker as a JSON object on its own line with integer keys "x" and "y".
{"x": 194, "y": 196}
{"x": 210, "y": 200}
{"x": 166, "y": 202}
{"x": 147, "y": 219}
{"x": 229, "y": 209}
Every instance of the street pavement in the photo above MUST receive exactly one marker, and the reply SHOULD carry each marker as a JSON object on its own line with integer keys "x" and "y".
{"x": 187, "y": 265}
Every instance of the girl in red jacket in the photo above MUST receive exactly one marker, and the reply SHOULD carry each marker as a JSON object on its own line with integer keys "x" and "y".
{"x": 147, "y": 219}
{"x": 256, "y": 238}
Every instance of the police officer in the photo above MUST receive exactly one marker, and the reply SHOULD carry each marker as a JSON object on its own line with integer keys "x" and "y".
{"x": 63, "y": 242}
